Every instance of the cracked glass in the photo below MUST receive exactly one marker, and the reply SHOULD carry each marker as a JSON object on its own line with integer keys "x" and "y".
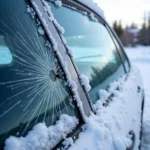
{"x": 32, "y": 84}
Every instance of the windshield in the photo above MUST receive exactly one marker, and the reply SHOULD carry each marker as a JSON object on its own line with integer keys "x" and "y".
{"x": 32, "y": 88}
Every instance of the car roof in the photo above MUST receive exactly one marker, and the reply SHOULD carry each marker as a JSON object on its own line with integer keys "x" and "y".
{"x": 93, "y": 6}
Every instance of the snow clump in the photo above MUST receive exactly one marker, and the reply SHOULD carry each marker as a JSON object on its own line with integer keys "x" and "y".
{"x": 58, "y": 3}
{"x": 122, "y": 143}
{"x": 92, "y": 17}
{"x": 43, "y": 137}
{"x": 85, "y": 82}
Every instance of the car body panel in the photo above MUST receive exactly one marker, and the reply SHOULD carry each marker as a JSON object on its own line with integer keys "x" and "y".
{"x": 120, "y": 117}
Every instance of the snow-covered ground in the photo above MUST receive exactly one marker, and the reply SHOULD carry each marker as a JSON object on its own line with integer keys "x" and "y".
{"x": 140, "y": 56}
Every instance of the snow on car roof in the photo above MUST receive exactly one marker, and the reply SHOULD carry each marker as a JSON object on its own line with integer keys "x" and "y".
{"x": 94, "y": 6}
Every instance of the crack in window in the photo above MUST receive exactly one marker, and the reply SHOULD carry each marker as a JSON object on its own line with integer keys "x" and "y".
{"x": 32, "y": 86}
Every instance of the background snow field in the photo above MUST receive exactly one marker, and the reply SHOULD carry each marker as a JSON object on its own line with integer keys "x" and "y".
{"x": 140, "y": 56}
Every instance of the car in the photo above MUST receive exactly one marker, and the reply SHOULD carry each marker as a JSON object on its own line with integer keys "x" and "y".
{"x": 65, "y": 79}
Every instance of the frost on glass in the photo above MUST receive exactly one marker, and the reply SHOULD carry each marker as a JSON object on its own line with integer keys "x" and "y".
{"x": 32, "y": 87}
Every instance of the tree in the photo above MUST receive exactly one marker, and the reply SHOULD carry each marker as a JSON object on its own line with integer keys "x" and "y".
{"x": 142, "y": 35}
{"x": 149, "y": 20}
{"x": 148, "y": 30}
{"x": 127, "y": 27}
{"x": 133, "y": 26}
{"x": 115, "y": 26}
{"x": 118, "y": 28}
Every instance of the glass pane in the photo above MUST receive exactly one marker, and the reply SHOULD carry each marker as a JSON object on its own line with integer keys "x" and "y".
{"x": 93, "y": 49}
{"x": 32, "y": 88}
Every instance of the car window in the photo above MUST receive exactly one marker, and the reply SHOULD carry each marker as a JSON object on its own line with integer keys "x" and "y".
{"x": 94, "y": 51}
{"x": 32, "y": 84}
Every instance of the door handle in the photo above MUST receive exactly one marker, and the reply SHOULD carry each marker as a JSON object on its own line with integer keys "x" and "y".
{"x": 133, "y": 139}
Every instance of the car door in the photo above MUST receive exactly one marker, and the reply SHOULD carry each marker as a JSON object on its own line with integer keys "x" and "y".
{"x": 97, "y": 55}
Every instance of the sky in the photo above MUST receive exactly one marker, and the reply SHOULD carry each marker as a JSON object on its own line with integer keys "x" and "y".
{"x": 127, "y": 11}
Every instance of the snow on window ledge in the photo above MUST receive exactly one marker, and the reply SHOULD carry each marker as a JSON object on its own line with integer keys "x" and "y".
{"x": 85, "y": 82}
{"x": 43, "y": 137}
